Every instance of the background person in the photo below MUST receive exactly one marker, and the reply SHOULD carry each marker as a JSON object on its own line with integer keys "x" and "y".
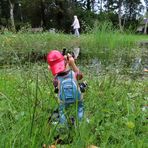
{"x": 76, "y": 26}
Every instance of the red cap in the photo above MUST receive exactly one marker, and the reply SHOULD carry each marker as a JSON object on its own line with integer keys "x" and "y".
{"x": 56, "y": 61}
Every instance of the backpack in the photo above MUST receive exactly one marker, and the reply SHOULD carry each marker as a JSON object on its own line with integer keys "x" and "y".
{"x": 69, "y": 90}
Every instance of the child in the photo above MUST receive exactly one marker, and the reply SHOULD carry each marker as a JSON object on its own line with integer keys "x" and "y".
{"x": 65, "y": 82}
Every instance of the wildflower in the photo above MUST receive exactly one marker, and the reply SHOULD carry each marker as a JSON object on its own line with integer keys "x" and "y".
{"x": 130, "y": 124}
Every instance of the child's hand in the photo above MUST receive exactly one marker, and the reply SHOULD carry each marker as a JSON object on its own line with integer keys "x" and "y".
{"x": 70, "y": 59}
{"x": 71, "y": 62}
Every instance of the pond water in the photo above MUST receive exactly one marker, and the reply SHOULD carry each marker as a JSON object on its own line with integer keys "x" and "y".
{"x": 120, "y": 63}
{"x": 135, "y": 66}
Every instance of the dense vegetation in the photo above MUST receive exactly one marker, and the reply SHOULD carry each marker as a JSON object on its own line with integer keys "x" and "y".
{"x": 114, "y": 100}
{"x": 103, "y": 42}
{"x": 124, "y": 14}
{"x": 111, "y": 58}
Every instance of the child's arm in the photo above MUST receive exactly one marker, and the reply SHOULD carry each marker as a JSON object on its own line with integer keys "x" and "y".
{"x": 74, "y": 67}
{"x": 72, "y": 64}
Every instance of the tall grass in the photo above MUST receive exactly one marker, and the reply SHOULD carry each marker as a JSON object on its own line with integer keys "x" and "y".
{"x": 109, "y": 44}
{"x": 113, "y": 101}
{"x": 103, "y": 41}
{"x": 113, "y": 105}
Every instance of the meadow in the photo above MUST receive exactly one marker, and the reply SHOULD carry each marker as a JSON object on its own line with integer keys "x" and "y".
{"x": 114, "y": 100}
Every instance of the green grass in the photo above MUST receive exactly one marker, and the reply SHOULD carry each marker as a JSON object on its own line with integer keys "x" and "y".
{"x": 113, "y": 105}
{"x": 113, "y": 101}
{"x": 102, "y": 42}
{"x": 102, "y": 36}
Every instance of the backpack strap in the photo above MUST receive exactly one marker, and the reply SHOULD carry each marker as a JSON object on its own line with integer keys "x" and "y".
{"x": 70, "y": 74}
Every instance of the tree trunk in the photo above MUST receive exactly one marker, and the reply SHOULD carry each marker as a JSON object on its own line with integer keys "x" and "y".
{"x": 101, "y": 4}
{"x": 124, "y": 21}
{"x": 88, "y": 5}
{"x": 119, "y": 16}
{"x": 0, "y": 11}
{"x": 93, "y": 5}
{"x": 12, "y": 15}
{"x": 146, "y": 25}
{"x": 43, "y": 20}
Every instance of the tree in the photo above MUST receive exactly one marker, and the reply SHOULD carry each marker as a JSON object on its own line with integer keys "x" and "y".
{"x": 12, "y": 3}
{"x": 119, "y": 15}
{"x": 146, "y": 17}
{"x": 0, "y": 11}
{"x": 101, "y": 5}
{"x": 110, "y": 5}
{"x": 132, "y": 8}
{"x": 4, "y": 15}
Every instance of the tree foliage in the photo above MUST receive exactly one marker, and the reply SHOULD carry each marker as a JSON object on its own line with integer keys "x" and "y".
{"x": 59, "y": 13}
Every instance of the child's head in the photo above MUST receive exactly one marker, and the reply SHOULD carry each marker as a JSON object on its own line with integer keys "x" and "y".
{"x": 56, "y": 61}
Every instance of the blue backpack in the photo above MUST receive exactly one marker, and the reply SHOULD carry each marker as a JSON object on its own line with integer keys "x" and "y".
{"x": 69, "y": 90}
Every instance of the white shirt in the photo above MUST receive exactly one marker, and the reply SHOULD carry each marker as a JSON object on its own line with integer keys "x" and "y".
{"x": 76, "y": 23}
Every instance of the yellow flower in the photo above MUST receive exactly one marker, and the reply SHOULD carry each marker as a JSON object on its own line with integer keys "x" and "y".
{"x": 130, "y": 124}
